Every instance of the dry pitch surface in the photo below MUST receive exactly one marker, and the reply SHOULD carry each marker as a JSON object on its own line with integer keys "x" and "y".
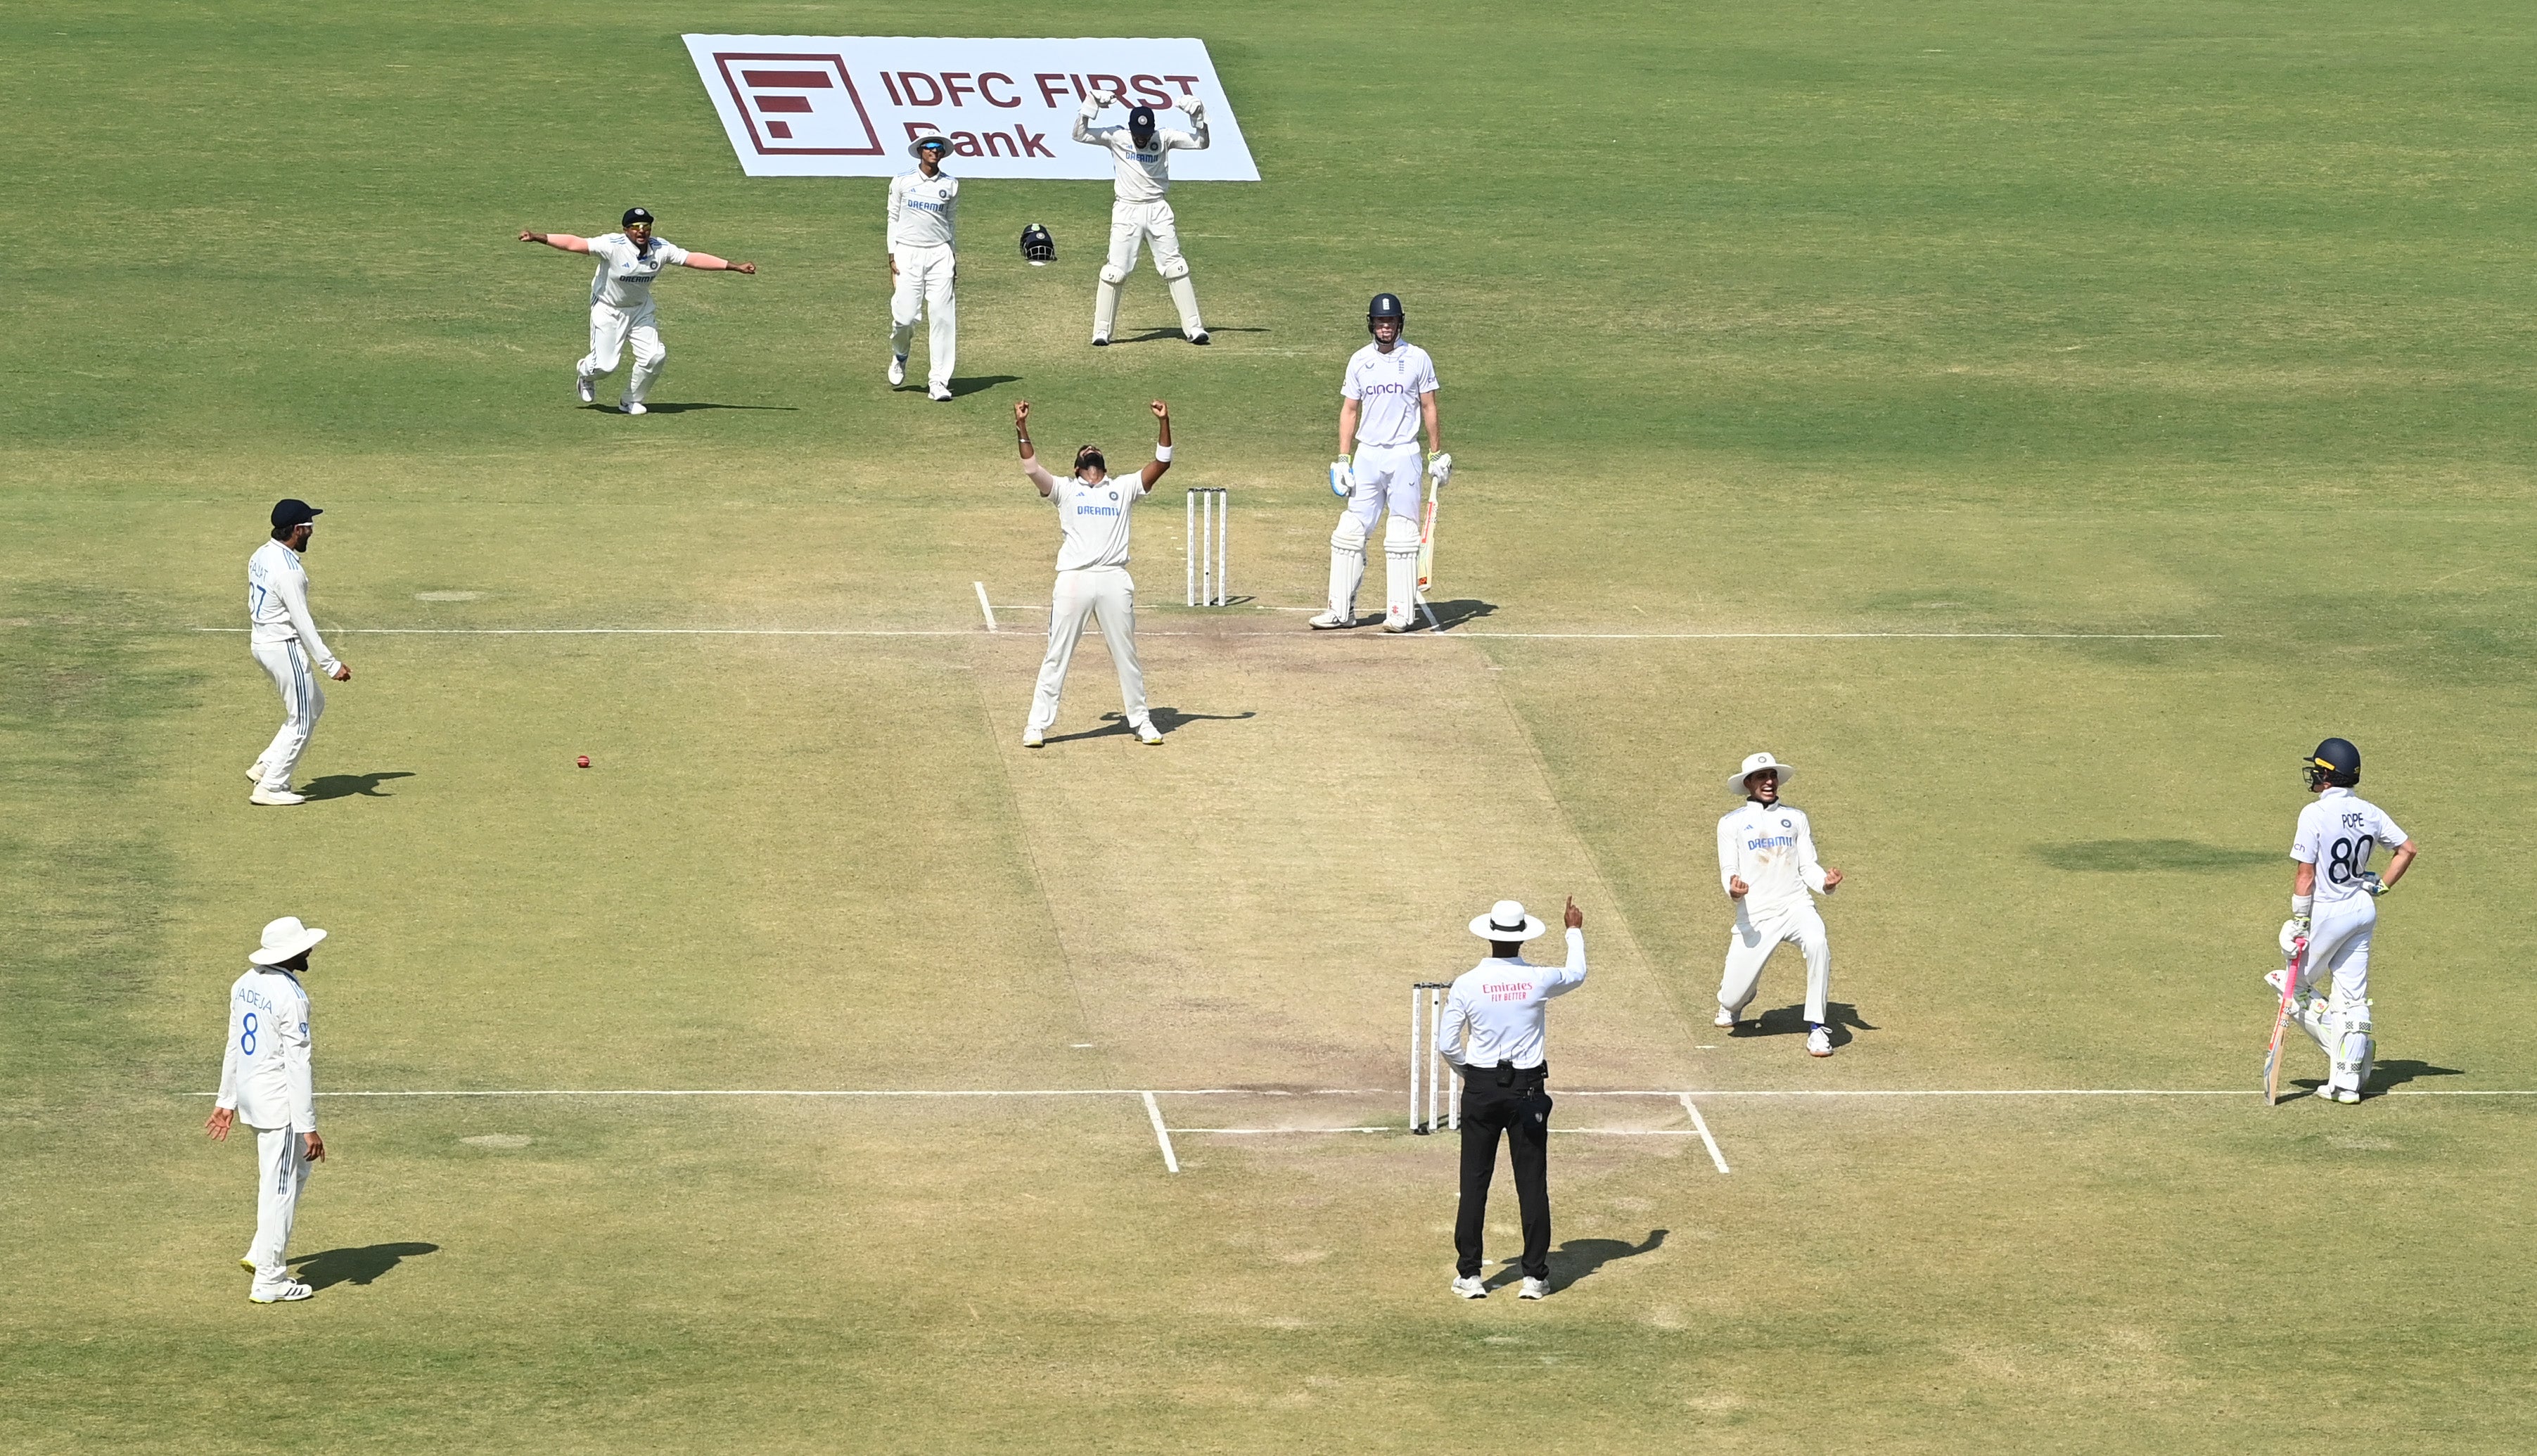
{"x": 2127, "y": 396}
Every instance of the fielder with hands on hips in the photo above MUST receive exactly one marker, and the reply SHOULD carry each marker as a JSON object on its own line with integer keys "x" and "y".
{"x": 1493, "y": 1035}
{"x": 620, "y": 300}
{"x": 1388, "y": 392}
{"x": 1139, "y": 211}
{"x": 1092, "y": 579}
{"x": 1766, "y": 863}
{"x": 923, "y": 205}
{"x": 2334, "y": 908}
{"x": 284, "y": 639}
{"x": 268, "y": 1083}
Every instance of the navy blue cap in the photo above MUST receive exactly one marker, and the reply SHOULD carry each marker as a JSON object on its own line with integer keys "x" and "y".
{"x": 289, "y": 513}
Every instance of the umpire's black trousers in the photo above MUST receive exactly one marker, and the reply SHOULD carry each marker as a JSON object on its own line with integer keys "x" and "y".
{"x": 1505, "y": 1099}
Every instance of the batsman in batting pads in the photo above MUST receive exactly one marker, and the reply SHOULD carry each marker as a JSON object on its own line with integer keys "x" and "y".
{"x": 1139, "y": 215}
{"x": 1387, "y": 394}
{"x": 1038, "y": 249}
{"x": 2335, "y": 906}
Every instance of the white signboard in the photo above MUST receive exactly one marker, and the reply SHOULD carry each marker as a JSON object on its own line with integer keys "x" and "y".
{"x": 849, "y": 105}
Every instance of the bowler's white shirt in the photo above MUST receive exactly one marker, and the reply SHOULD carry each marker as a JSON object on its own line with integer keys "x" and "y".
{"x": 1145, "y": 172}
{"x": 1095, "y": 517}
{"x": 625, "y": 273}
{"x": 1387, "y": 387}
{"x": 1773, "y": 848}
{"x": 1494, "y": 1014}
{"x": 2338, "y": 833}
{"x": 277, "y": 602}
{"x": 265, "y": 1076}
{"x": 922, "y": 208}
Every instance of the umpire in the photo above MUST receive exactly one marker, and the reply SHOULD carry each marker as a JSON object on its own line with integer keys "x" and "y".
{"x": 1493, "y": 1035}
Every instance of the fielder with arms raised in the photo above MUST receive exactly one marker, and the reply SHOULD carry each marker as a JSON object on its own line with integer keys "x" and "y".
{"x": 1388, "y": 392}
{"x": 267, "y": 1083}
{"x": 2335, "y": 906}
{"x": 1766, "y": 863}
{"x": 1093, "y": 580}
{"x": 620, "y": 300}
{"x": 1139, "y": 214}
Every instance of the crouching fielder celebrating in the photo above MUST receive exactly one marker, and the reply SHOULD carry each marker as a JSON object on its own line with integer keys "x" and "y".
{"x": 1388, "y": 392}
{"x": 1766, "y": 863}
{"x": 620, "y": 300}
{"x": 2335, "y": 906}
{"x": 1092, "y": 571}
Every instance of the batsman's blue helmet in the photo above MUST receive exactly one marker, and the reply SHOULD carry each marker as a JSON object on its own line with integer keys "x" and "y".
{"x": 2336, "y": 762}
{"x": 1384, "y": 306}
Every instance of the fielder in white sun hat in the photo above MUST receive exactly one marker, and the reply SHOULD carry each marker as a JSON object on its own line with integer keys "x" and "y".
{"x": 1507, "y": 921}
{"x": 285, "y": 939}
{"x": 1755, "y": 763}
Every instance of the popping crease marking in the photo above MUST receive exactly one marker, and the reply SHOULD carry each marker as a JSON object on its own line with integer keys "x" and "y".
{"x": 1553, "y": 637}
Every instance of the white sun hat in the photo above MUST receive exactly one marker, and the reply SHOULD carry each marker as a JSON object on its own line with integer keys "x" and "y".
{"x": 284, "y": 938}
{"x": 1755, "y": 763}
{"x": 919, "y": 145}
{"x": 1507, "y": 921}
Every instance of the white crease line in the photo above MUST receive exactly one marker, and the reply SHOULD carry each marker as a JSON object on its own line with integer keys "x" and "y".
{"x": 1594, "y": 1132}
{"x": 1162, "y": 1134}
{"x": 984, "y": 604}
{"x": 1358, "y": 1092}
{"x": 1435, "y": 635}
{"x": 1702, "y": 1124}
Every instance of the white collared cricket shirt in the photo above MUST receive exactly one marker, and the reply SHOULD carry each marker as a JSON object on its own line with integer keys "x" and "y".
{"x": 1495, "y": 1011}
{"x": 625, "y": 272}
{"x": 266, "y": 1074}
{"x": 1093, "y": 514}
{"x": 1772, "y": 848}
{"x": 923, "y": 210}
{"x": 1387, "y": 387}
{"x": 277, "y": 602}
{"x": 2338, "y": 833}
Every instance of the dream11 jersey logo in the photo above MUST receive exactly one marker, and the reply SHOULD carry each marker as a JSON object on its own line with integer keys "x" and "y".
{"x": 798, "y": 106}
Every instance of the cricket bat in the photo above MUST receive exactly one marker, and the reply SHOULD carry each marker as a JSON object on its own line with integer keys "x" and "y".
{"x": 1428, "y": 541}
{"x": 2282, "y": 1020}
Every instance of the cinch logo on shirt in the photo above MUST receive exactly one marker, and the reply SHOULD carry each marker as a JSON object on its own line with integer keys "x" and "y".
{"x": 1392, "y": 388}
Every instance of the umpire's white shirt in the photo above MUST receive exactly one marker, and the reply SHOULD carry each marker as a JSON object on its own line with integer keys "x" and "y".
{"x": 266, "y": 1076}
{"x": 1387, "y": 387}
{"x": 1772, "y": 847}
{"x": 277, "y": 603}
{"x": 1093, "y": 516}
{"x": 2338, "y": 833}
{"x": 1494, "y": 1014}
{"x": 625, "y": 272}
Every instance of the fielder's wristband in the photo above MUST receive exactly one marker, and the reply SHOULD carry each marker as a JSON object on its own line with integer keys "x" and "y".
{"x": 1163, "y": 453}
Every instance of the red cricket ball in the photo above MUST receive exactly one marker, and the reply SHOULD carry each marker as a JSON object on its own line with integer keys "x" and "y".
{"x": 582, "y": 763}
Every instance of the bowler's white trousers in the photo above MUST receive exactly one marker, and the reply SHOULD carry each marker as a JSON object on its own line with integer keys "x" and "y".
{"x": 1759, "y": 932}
{"x": 287, "y": 663}
{"x": 1105, "y": 593}
{"x": 612, "y": 329}
{"x": 925, "y": 280}
{"x": 282, "y": 1172}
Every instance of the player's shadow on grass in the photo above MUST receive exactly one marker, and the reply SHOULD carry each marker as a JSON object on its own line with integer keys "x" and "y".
{"x": 962, "y": 387}
{"x": 1450, "y": 615}
{"x": 1166, "y": 721}
{"x": 2386, "y": 1074}
{"x": 357, "y": 1266}
{"x": 676, "y": 409}
{"x": 1791, "y": 1020}
{"x": 346, "y": 785}
{"x": 1173, "y": 333}
{"x": 1580, "y": 1257}
{"x": 2136, "y": 856}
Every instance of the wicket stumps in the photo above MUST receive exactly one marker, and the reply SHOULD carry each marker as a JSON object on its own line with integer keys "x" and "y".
{"x": 1428, "y": 1069}
{"x": 1203, "y": 549}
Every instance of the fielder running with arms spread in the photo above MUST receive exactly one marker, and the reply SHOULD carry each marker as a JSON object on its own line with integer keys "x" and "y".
{"x": 1092, "y": 579}
{"x": 923, "y": 208}
{"x": 1389, "y": 391}
{"x": 1139, "y": 211}
{"x": 1766, "y": 863}
{"x": 620, "y": 300}
{"x": 2335, "y": 906}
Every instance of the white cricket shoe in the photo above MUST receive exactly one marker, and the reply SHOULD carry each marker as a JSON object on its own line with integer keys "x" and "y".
{"x": 632, "y": 406}
{"x": 1328, "y": 620}
{"x": 1819, "y": 1043}
{"x": 1533, "y": 1288}
{"x": 281, "y": 1293}
{"x": 587, "y": 387}
{"x": 1725, "y": 1018}
{"x": 1470, "y": 1288}
{"x": 1400, "y": 624}
{"x": 1033, "y": 738}
{"x": 1146, "y": 735}
{"x": 263, "y": 795}
{"x": 939, "y": 393}
{"x": 898, "y": 368}
{"x": 2340, "y": 1093}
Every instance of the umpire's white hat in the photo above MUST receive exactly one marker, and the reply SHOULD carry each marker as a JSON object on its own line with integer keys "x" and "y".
{"x": 1507, "y": 921}
{"x": 1755, "y": 763}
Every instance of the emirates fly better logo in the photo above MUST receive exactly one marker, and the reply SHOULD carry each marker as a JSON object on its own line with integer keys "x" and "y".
{"x": 798, "y": 106}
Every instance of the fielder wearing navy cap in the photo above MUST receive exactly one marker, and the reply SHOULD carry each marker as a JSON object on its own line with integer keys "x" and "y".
{"x": 290, "y": 514}
{"x": 635, "y": 215}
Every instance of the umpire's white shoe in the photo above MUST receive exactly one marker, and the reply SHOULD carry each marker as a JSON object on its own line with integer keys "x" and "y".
{"x": 1470, "y": 1288}
{"x": 937, "y": 393}
{"x": 1819, "y": 1043}
{"x": 1328, "y": 620}
{"x": 281, "y": 1293}
{"x": 586, "y": 387}
{"x": 263, "y": 795}
{"x": 1725, "y": 1018}
{"x": 898, "y": 368}
{"x": 1533, "y": 1288}
{"x": 632, "y": 406}
{"x": 1146, "y": 735}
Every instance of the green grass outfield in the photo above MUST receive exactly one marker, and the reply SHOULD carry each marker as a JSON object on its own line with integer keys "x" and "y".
{"x": 2205, "y": 323}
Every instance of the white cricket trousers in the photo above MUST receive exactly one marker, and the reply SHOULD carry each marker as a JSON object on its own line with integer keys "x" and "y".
{"x": 1133, "y": 225}
{"x": 288, "y": 664}
{"x": 2338, "y": 954}
{"x": 281, "y": 1173}
{"x": 612, "y": 329}
{"x": 925, "y": 282}
{"x": 1756, "y": 935}
{"x": 1107, "y": 594}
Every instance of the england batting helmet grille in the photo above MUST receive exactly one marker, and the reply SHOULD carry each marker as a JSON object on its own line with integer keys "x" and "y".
{"x": 1037, "y": 247}
{"x": 2336, "y": 762}
{"x": 1384, "y": 306}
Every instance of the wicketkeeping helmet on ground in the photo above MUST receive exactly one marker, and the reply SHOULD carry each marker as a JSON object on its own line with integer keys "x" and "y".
{"x": 2336, "y": 762}
{"x": 1384, "y": 306}
{"x": 1038, "y": 247}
